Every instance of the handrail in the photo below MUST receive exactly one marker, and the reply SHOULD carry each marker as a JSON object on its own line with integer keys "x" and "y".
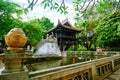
{"x": 93, "y": 51}
{"x": 75, "y": 68}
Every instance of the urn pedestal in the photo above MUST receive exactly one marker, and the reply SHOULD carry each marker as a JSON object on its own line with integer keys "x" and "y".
{"x": 13, "y": 61}
{"x": 13, "y": 56}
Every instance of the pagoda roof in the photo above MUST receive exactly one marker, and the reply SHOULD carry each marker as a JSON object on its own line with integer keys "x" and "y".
{"x": 64, "y": 24}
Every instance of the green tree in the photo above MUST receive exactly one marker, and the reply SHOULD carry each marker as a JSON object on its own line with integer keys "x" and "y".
{"x": 8, "y": 10}
{"x": 33, "y": 31}
{"x": 87, "y": 36}
{"x": 93, "y": 12}
{"x": 46, "y": 23}
{"x": 108, "y": 31}
{"x": 7, "y": 21}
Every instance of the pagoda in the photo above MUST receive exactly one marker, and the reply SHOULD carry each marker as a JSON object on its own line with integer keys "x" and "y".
{"x": 65, "y": 34}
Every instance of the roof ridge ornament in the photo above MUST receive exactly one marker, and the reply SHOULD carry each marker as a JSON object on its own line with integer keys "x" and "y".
{"x": 67, "y": 21}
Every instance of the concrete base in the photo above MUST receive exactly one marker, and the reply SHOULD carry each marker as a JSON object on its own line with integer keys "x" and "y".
{"x": 14, "y": 76}
{"x": 20, "y": 75}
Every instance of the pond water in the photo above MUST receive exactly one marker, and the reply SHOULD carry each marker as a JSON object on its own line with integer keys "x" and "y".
{"x": 45, "y": 64}
{"x": 40, "y": 65}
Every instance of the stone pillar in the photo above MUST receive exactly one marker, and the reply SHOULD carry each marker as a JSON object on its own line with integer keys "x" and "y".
{"x": 13, "y": 56}
{"x": 112, "y": 65}
{"x": 94, "y": 71}
{"x": 14, "y": 69}
{"x": 13, "y": 61}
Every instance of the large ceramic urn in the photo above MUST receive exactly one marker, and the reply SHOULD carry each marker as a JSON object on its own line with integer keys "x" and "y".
{"x": 13, "y": 57}
{"x": 15, "y": 39}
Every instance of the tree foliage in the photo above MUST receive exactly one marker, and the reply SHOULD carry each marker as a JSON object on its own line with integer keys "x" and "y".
{"x": 60, "y": 7}
{"x": 82, "y": 7}
{"x": 33, "y": 31}
{"x": 87, "y": 36}
{"x": 9, "y": 8}
{"x": 95, "y": 12}
{"x": 45, "y": 23}
{"x": 7, "y": 21}
{"x": 108, "y": 31}
{"x": 93, "y": 9}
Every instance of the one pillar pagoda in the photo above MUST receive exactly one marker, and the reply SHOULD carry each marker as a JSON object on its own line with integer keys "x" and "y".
{"x": 65, "y": 34}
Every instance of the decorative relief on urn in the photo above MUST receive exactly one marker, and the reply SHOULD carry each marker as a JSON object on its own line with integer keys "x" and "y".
{"x": 15, "y": 39}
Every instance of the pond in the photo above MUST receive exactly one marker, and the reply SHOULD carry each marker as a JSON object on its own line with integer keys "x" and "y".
{"x": 70, "y": 59}
{"x": 45, "y": 64}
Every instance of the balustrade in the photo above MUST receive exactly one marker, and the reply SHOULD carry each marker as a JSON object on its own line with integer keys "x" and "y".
{"x": 104, "y": 69}
{"x": 117, "y": 63}
{"x": 90, "y": 70}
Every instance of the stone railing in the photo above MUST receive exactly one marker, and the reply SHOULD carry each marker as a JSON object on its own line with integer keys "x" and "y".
{"x": 90, "y": 70}
{"x": 94, "y": 52}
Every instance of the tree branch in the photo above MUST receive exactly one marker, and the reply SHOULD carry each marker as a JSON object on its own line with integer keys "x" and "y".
{"x": 31, "y": 4}
{"x": 83, "y": 4}
{"x": 88, "y": 5}
{"x": 35, "y": 2}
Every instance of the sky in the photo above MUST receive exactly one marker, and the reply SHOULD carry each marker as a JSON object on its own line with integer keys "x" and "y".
{"x": 39, "y": 11}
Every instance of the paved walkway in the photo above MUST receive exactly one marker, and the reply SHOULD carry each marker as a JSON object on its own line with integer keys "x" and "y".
{"x": 114, "y": 76}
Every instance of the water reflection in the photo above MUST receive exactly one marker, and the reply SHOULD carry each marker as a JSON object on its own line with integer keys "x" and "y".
{"x": 46, "y": 64}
